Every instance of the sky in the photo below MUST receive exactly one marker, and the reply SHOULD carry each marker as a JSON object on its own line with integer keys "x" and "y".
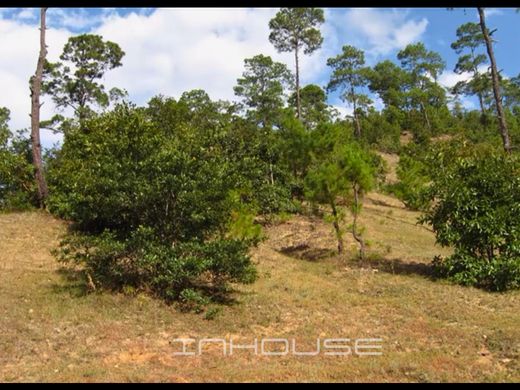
{"x": 173, "y": 50}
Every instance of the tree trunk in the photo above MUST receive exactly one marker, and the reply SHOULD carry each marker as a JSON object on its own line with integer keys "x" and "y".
{"x": 35, "y": 116}
{"x": 476, "y": 74}
{"x": 481, "y": 102}
{"x": 496, "y": 83}
{"x": 356, "y": 118}
{"x": 357, "y": 237}
{"x": 426, "y": 118}
{"x": 336, "y": 226}
{"x": 298, "y": 102}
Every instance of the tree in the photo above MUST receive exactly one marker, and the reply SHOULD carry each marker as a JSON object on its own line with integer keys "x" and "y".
{"x": 18, "y": 189}
{"x": 349, "y": 76}
{"x": 74, "y": 82}
{"x": 496, "y": 82}
{"x": 36, "y": 88}
{"x": 295, "y": 146}
{"x": 512, "y": 92}
{"x": 346, "y": 172}
{"x": 4, "y": 120}
{"x": 475, "y": 201}
{"x": 151, "y": 202}
{"x": 293, "y": 29}
{"x": 314, "y": 107}
{"x": 262, "y": 88}
{"x": 423, "y": 67}
{"x": 388, "y": 80}
{"x": 470, "y": 38}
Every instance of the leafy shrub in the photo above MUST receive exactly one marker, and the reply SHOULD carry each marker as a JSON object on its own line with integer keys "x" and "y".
{"x": 258, "y": 167}
{"x": 500, "y": 273}
{"x": 151, "y": 203}
{"x": 382, "y": 131}
{"x": 413, "y": 178}
{"x": 347, "y": 172}
{"x": 475, "y": 207}
{"x": 17, "y": 186}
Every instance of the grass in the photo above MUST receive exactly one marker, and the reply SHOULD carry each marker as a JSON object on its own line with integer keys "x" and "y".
{"x": 50, "y": 330}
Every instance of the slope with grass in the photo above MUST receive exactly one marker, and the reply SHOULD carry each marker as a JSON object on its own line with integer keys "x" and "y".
{"x": 50, "y": 330}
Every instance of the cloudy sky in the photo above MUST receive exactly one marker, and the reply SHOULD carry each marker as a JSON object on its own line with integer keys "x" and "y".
{"x": 172, "y": 50}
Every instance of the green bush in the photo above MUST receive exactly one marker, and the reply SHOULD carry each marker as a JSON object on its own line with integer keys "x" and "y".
{"x": 258, "y": 165}
{"x": 348, "y": 171}
{"x": 151, "y": 203}
{"x": 499, "y": 274}
{"x": 413, "y": 178}
{"x": 382, "y": 130}
{"x": 475, "y": 206}
{"x": 17, "y": 186}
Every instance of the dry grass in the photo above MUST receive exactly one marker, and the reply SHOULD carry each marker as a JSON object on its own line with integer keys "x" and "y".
{"x": 432, "y": 331}
{"x": 391, "y": 160}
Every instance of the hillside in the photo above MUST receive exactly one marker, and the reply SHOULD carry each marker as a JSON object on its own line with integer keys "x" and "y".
{"x": 50, "y": 330}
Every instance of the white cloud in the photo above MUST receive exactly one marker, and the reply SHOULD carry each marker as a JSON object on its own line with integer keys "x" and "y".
{"x": 380, "y": 31}
{"x": 449, "y": 78}
{"x": 344, "y": 112}
{"x": 167, "y": 52}
{"x": 173, "y": 50}
{"x": 18, "y": 54}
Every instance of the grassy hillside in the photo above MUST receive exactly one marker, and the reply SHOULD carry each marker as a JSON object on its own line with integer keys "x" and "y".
{"x": 50, "y": 330}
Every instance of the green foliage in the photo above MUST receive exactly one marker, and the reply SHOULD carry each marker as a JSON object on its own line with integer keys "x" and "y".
{"x": 349, "y": 76}
{"x": 17, "y": 186}
{"x": 295, "y": 28}
{"x": 295, "y": 150}
{"x": 387, "y": 80}
{"x": 424, "y": 97}
{"x": 347, "y": 172}
{"x": 152, "y": 200}
{"x": 475, "y": 197}
{"x": 74, "y": 82}
{"x": 413, "y": 179}
{"x": 420, "y": 62}
{"x": 469, "y": 40}
{"x": 511, "y": 91}
{"x": 256, "y": 163}
{"x": 262, "y": 88}
{"x": 189, "y": 272}
{"x": 381, "y": 130}
{"x": 498, "y": 274}
{"x": 242, "y": 224}
{"x": 314, "y": 107}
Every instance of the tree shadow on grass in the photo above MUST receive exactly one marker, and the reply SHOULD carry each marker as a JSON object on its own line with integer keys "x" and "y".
{"x": 379, "y": 202}
{"x": 306, "y": 252}
{"x": 74, "y": 283}
{"x": 393, "y": 266}
{"x": 398, "y": 267}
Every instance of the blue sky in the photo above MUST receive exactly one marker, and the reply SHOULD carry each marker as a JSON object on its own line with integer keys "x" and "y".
{"x": 169, "y": 51}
